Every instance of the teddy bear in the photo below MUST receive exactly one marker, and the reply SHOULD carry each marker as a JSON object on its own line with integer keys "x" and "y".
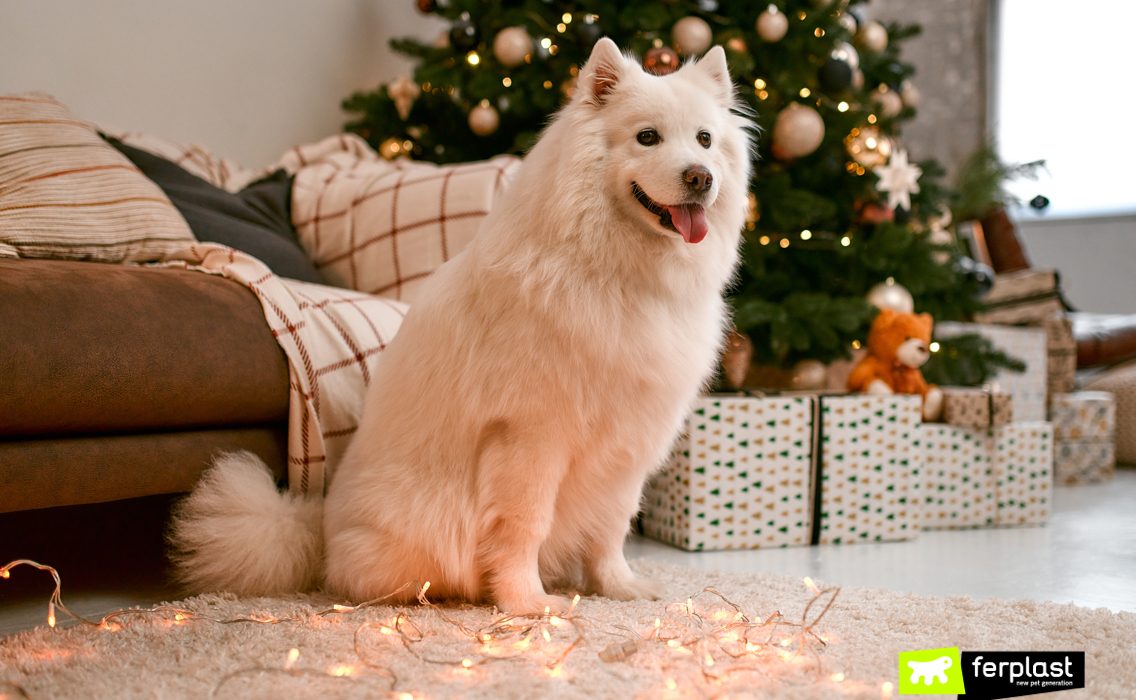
{"x": 898, "y": 345}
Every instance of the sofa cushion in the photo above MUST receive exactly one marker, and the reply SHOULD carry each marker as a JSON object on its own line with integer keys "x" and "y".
{"x": 93, "y": 348}
{"x": 64, "y": 193}
{"x": 256, "y": 220}
{"x": 1104, "y": 339}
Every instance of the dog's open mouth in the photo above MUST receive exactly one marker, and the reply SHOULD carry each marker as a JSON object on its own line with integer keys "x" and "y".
{"x": 687, "y": 220}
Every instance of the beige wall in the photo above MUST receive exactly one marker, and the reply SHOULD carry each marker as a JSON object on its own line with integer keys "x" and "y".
{"x": 246, "y": 78}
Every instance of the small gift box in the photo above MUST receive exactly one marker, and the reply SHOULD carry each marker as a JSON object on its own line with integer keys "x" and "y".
{"x": 977, "y": 408}
{"x": 1084, "y": 429}
{"x": 739, "y": 477}
{"x": 1029, "y": 388}
{"x": 1082, "y": 415}
{"x": 982, "y": 477}
{"x": 1083, "y": 461}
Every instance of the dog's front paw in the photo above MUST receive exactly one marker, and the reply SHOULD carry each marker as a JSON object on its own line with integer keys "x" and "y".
{"x": 535, "y": 605}
{"x": 633, "y": 588}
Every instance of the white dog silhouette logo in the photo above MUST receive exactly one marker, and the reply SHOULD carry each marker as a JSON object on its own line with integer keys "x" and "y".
{"x": 926, "y": 670}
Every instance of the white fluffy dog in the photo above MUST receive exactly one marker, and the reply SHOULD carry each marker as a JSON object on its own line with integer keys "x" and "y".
{"x": 514, "y": 419}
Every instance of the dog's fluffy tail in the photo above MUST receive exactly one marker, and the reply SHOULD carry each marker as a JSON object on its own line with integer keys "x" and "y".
{"x": 236, "y": 532}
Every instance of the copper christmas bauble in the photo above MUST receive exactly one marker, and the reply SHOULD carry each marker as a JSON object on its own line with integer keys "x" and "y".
{"x": 692, "y": 35}
{"x": 661, "y": 60}
{"x": 798, "y": 131}
{"x": 511, "y": 45}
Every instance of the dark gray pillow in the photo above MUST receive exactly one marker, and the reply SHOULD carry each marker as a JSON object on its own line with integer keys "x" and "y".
{"x": 256, "y": 220}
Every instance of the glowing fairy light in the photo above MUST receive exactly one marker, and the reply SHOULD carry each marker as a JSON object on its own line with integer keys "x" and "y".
{"x": 841, "y": 106}
{"x": 506, "y": 81}
{"x": 467, "y": 663}
{"x": 575, "y": 602}
{"x": 5, "y": 574}
{"x": 805, "y": 92}
{"x": 845, "y": 241}
{"x": 547, "y": 637}
{"x": 784, "y": 243}
{"x": 51, "y": 615}
{"x": 671, "y": 684}
{"x": 472, "y": 58}
{"x": 341, "y": 670}
{"x": 546, "y": 42}
{"x": 342, "y": 608}
{"x": 934, "y": 347}
{"x": 811, "y": 585}
{"x": 566, "y": 18}
{"x": 554, "y": 621}
{"x": 806, "y": 235}
{"x": 293, "y": 656}
{"x": 759, "y": 84}
{"x": 886, "y": 689}
{"x": 837, "y": 677}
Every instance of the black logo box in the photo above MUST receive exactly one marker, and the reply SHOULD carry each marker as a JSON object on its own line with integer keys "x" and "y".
{"x": 1008, "y": 674}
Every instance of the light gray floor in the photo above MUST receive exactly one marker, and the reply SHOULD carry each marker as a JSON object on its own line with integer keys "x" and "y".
{"x": 1086, "y": 555}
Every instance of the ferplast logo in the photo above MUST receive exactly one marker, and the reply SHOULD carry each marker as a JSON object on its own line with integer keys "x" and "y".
{"x": 931, "y": 672}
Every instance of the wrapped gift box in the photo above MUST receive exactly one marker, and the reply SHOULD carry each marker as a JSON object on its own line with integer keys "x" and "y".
{"x": 1023, "y": 473}
{"x": 745, "y": 473}
{"x": 738, "y": 478}
{"x": 1023, "y": 297}
{"x": 981, "y": 477}
{"x": 1028, "y": 388}
{"x": 1083, "y": 415}
{"x": 977, "y": 408}
{"x": 1084, "y": 430}
{"x": 958, "y": 476}
{"x": 1062, "y": 348}
{"x": 869, "y": 469}
{"x": 1083, "y": 461}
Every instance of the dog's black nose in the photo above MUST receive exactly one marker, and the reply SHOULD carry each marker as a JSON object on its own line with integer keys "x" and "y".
{"x": 698, "y": 178}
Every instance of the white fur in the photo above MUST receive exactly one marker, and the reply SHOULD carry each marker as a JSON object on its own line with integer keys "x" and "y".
{"x": 516, "y": 415}
{"x": 232, "y": 530}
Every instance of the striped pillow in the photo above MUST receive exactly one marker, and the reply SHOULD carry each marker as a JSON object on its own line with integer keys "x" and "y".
{"x": 65, "y": 193}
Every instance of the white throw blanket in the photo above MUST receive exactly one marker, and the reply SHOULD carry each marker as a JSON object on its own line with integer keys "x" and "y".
{"x": 333, "y": 339}
{"x": 370, "y": 224}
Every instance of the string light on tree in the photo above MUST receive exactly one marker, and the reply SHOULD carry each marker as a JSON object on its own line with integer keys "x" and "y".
{"x": 900, "y": 179}
{"x": 772, "y": 25}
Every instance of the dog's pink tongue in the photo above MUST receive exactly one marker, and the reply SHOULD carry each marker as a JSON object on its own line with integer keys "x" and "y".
{"x": 690, "y": 220}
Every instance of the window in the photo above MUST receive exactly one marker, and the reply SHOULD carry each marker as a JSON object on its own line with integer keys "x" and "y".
{"x": 1065, "y": 92}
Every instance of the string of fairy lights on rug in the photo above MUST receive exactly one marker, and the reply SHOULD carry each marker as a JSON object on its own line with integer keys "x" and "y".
{"x": 707, "y": 638}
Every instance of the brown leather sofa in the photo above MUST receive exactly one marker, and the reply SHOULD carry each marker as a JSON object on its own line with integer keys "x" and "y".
{"x": 122, "y": 381}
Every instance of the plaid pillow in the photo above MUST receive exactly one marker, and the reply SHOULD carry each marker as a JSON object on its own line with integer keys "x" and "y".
{"x": 65, "y": 193}
{"x": 383, "y": 227}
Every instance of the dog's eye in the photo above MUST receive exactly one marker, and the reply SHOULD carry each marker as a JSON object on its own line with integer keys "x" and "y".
{"x": 648, "y": 137}
{"x": 704, "y": 139}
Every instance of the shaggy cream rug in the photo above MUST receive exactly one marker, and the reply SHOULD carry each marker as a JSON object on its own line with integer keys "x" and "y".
{"x": 751, "y": 636}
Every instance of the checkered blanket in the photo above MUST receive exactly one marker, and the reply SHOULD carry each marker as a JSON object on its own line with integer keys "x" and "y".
{"x": 333, "y": 339}
{"x": 374, "y": 226}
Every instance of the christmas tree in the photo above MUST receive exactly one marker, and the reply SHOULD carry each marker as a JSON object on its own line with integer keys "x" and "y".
{"x": 837, "y": 206}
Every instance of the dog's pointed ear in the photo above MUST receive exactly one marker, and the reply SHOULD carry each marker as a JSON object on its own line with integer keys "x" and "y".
{"x": 602, "y": 72}
{"x": 713, "y": 67}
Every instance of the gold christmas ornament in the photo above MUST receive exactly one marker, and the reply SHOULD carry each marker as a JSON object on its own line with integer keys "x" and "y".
{"x": 772, "y": 25}
{"x": 891, "y": 295}
{"x": 736, "y": 359}
{"x": 661, "y": 60}
{"x": 889, "y": 101}
{"x": 910, "y": 94}
{"x": 753, "y": 212}
{"x": 809, "y": 375}
{"x": 395, "y": 148}
{"x": 691, "y": 35}
{"x": 868, "y": 147}
{"x": 872, "y": 36}
{"x": 512, "y": 45}
{"x": 798, "y": 131}
{"x": 484, "y": 119}
{"x": 403, "y": 92}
